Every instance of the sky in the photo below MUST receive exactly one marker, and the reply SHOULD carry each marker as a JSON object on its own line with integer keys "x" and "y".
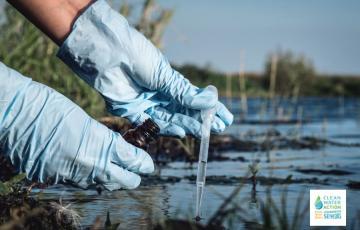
{"x": 215, "y": 32}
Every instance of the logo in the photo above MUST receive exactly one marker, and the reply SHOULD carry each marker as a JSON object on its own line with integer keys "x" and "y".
{"x": 327, "y": 207}
{"x": 318, "y": 203}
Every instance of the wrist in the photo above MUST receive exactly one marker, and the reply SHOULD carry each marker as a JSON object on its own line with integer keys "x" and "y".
{"x": 54, "y": 17}
{"x": 73, "y": 8}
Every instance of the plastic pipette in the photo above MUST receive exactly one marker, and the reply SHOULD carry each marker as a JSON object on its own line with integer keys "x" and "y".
{"x": 207, "y": 117}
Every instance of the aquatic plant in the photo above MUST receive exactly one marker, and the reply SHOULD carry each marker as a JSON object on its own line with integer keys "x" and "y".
{"x": 254, "y": 169}
{"x": 64, "y": 214}
{"x": 273, "y": 215}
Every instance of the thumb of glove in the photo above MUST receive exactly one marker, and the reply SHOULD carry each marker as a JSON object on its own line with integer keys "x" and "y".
{"x": 174, "y": 85}
{"x": 132, "y": 158}
{"x": 127, "y": 161}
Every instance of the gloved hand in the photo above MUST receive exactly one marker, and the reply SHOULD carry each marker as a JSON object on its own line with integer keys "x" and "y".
{"x": 135, "y": 79}
{"x": 49, "y": 137}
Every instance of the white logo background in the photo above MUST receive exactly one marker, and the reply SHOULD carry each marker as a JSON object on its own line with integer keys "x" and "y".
{"x": 324, "y": 196}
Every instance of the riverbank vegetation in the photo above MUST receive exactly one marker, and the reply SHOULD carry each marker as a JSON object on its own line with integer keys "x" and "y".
{"x": 258, "y": 84}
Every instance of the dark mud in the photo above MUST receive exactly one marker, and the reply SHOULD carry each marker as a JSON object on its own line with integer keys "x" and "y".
{"x": 148, "y": 180}
{"x": 184, "y": 224}
{"x": 271, "y": 122}
{"x": 278, "y": 142}
{"x": 353, "y": 185}
{"x": 336, "y": 172}
{"x": 167, "y": 149}
{"x": 231, "y": 180}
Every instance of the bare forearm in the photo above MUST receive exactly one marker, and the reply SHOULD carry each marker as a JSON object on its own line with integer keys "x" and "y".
{"x": 54, "y": 17}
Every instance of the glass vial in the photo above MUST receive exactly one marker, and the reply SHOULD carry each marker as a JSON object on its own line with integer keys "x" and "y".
{"x": 142, "y": 135}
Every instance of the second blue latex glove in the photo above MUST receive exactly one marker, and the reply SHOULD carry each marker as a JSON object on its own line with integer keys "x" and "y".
{"x": 48, "y": 137}
{"x": 133, "y": 76}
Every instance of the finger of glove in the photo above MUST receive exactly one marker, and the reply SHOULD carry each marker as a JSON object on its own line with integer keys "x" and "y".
{"x": 224, "y": 114}
{"x": 118, "y": 177}
{"x": 170, "y": 129}
{"x": 218, "y": 126}
{"x": 192, "y": 126}
{"x": 132, "y": 158}
{"x": 138, "y": 119}
{"x": 126, "y": 104}
{"x": 188, "y": 124}
{"x": 181, "y": 90}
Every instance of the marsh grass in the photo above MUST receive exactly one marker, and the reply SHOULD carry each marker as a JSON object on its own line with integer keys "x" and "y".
{"x": 253, "y": 170}
{"x": 21, "y": 210}
{"x": 64, "y": 213}
{"x": 271, "y": 214}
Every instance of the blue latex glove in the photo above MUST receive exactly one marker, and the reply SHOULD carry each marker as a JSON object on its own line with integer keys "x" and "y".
{"x": 49, "y": 137}
{"x": 135, "y": 79}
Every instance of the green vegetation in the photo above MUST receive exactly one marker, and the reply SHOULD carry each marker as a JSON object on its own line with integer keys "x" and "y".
{"x": 11, "y": 186}
{"x": 257, "y": 84}
{"x": 292, "y": 74}
{"x": 203, "y": 76}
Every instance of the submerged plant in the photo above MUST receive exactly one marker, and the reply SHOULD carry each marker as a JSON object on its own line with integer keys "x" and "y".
{"x": 254, "y": 169}
{"x": 64, "y": 214}
{"x": 271, "y": 214}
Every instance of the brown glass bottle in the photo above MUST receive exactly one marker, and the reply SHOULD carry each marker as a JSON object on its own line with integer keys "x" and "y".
{"x": 142, "y": 135}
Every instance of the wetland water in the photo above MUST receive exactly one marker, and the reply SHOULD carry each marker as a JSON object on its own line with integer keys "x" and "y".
{"x": 333, "y": 166}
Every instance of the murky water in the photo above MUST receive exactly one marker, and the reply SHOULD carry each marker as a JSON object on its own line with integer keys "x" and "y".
{"x": 335, "y": 119}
